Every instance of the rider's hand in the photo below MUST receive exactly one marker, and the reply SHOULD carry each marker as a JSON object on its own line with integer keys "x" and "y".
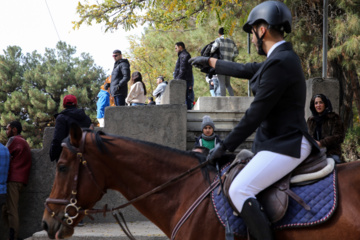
{"x": 216, "y": 153}
{"x": 200, "y": 62}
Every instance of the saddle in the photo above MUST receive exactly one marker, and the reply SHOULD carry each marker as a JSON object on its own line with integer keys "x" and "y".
{"x": 275, "y": 198}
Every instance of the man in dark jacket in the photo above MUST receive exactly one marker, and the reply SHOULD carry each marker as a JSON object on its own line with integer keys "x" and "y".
{"x": 64, "y": 119}
{"x": 277, "y": 112}
{"x": 119, "y": 78}
{"x": 19, "y": 172}
{"x": 183, "y": 71}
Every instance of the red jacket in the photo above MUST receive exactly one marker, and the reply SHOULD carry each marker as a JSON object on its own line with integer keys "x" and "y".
{"x": 20, "y": 161}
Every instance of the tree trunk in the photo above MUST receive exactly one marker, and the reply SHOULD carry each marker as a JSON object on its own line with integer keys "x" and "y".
{"x": 346, "y": 91}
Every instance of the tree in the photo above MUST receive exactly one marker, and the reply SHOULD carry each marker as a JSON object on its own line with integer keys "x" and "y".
{"x": 343, "y": 57}
{"x": 153, "y": 54}
{"x": 36, "y": 85}
{"x": 164, "y": 14}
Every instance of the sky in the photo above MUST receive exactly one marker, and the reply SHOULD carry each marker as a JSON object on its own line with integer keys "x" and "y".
{"x": 29, "y": 25}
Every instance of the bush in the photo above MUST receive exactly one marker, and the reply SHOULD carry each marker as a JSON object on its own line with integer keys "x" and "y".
{"x": 351, "y": 146}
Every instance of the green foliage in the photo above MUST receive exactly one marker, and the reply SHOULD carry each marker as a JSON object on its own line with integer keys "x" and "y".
{"x": 351, "y": 145}
{"x": 33, "y": 87}
{"x": 153, "y": 54}
{"x": 163, "y": 14}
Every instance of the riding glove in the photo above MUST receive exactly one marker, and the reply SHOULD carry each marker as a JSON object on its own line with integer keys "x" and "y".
{"x": 216, "y": 153}
{"x": 199, "y": 62}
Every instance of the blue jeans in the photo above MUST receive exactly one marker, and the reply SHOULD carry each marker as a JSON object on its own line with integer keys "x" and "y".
{"x": 137, "y": 104}
{"x": 119, "y": 100}
{"x": 216, "y": 87}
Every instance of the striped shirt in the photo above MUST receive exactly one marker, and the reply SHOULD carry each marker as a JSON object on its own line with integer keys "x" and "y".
{"x": 4, "y": 167}
{"x": 227, "y": 48}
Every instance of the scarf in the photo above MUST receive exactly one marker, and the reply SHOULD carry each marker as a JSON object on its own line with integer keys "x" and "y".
{"x": 208, "y": 138}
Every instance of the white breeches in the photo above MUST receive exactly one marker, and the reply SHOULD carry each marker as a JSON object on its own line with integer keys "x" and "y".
{"x": 264, "y": 169}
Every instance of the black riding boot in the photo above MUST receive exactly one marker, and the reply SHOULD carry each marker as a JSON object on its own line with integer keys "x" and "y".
{"x": 256, "y": 220}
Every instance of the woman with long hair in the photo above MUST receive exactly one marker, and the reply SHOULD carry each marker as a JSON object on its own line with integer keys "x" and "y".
{"x": 137, "y": 93}
{"x": 325, "y": 126}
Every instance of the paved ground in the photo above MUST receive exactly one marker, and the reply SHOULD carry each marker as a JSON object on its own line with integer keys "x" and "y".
{"x": 95, "y": 231}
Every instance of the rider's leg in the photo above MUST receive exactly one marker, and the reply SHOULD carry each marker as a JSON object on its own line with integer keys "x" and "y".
{"x": 263, "y": 170}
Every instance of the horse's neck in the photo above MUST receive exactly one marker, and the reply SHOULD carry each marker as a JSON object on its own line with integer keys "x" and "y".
{"x": 142, "y": 170}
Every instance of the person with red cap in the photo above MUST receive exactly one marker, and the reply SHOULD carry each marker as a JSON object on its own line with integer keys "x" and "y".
{"x": 64, "y": 119}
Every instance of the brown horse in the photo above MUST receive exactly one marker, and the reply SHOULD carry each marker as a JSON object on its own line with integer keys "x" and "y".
{"x": 134, "y": 167}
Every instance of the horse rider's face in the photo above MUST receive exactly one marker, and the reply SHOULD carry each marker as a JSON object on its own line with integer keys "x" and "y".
{"x": 208, "y": 130}
{"x": 260, "y": 31}
{"x": 319, "y": 105}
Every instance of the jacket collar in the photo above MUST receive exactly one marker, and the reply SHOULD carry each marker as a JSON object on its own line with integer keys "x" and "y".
{"x": 282, "y": 47}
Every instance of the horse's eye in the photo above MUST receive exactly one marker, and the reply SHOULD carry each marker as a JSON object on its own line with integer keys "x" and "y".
{"x": 62, "y": 168}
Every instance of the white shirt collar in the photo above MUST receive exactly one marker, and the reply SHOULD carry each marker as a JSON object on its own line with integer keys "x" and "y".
{"x": 275, "y": 46}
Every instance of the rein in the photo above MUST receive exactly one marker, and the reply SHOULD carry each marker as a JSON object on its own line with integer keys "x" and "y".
{"x": 71, "y": 204}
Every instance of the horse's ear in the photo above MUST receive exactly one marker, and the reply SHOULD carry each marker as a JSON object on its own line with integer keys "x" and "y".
{"x": 75, "y": 135}
{"x": 92, "y": 127}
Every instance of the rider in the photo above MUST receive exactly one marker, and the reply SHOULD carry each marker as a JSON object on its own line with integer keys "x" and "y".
{"x": 277, "y": 112}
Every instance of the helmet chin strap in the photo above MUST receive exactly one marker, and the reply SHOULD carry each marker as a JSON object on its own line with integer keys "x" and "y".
{"x": 259, "y": 43}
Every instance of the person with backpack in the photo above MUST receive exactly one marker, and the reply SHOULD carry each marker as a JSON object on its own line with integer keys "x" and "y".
{"x": 228, "y": 52}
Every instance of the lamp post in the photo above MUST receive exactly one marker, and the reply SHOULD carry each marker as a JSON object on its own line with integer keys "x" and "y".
{"x": 325, "y": 38}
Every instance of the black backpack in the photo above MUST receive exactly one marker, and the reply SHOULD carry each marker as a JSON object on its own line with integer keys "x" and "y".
{"x": 206, "y": 52}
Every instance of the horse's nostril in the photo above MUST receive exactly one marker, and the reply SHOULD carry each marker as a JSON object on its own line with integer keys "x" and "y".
{"x": 45, "y": 226}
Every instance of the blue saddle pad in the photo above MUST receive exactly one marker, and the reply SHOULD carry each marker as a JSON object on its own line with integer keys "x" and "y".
{"x": 321, "y": 196}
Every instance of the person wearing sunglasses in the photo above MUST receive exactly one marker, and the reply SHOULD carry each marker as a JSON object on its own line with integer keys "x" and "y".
{"x": 119, "y": 78}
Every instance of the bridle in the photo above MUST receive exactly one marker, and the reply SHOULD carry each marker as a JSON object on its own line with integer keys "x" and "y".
{"x": 72, "y": 202}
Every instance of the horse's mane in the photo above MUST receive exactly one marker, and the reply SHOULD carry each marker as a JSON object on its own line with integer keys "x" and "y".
{"x": 101, "y": 142}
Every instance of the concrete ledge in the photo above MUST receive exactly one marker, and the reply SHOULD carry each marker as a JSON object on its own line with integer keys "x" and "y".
{"x": 161, "y": 124}
{"x": 174, "y": 92}
{"x": 223, "y": 103}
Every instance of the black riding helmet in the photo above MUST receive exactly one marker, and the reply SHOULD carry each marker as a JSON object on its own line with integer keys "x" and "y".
{"x": 275, "y": 13}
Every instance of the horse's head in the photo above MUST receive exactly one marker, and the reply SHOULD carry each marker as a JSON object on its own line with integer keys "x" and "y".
{"x": 74, "y": 190}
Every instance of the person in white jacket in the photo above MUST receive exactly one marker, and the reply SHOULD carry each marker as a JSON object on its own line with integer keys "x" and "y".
{"x": 160, "y": 89}
{"x": 137, "y": 93}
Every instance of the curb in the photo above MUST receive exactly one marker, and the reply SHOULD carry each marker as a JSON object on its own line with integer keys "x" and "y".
{"x": 93, "y": 231}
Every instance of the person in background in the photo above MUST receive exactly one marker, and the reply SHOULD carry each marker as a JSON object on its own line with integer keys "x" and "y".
{"x": 18, "y": 177}
{"x": 208, "y": 137}
{"x": 102, "y": 102}
{"x": 228, "y": 52}
{"x": 151, "y": 101}
{"x": 183, "y": 71}
{"x": 137, "y": 93}
{"x": 119, "y": 78}
{"x": 326, "y": 127}
{"x": 4, "y": 170}
{"x": 112, "y": 101}
{"x": 213, "y": 85}
{"x": 64, "y": 119}
{"x": 160, "y": 89}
